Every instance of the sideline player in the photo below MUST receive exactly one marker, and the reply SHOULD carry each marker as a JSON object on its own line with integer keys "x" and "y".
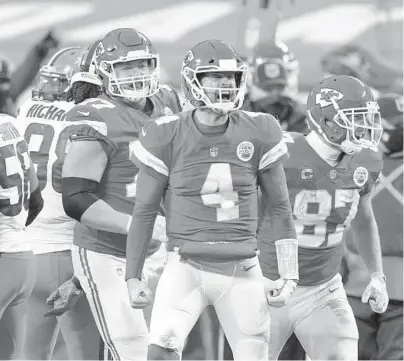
{"x": 20, "y": 203}
{"x": 43, "y": 121}
{"x": 273, "y": 85}
{"x": 206, "y": 163}
{"x": 381, "y": 335}
{"x": 99, "y": 183}
{"x": 330, "y": 175}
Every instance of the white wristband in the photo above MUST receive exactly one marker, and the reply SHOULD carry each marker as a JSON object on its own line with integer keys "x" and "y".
{"x": 128, "y": 225}
{"x": 286, "y": 254}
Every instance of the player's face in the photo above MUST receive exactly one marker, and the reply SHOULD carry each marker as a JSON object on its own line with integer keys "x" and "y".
{"x": 219, "y": 86}
{"x": 133, "y": 69}
{"x": 359, "y": 121}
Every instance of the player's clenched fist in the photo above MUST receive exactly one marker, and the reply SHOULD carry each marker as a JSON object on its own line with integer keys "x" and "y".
{"x": 278, "y": 292}
{"x": 139, "y": 294}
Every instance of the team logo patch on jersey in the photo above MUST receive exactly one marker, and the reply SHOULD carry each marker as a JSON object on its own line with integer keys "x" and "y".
{"x": 326, "y": 94}
{"x": 214, "y": 152}
{"x": 360, "y": 176}
{"x": 245, "y": 151}
{"x": 168, "y": 111}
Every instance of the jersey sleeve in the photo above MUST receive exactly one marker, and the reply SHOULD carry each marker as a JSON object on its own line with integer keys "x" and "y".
{"x": 90, "y": 127}
{"x": 153, "y": 148}
{"x": 273, "y": 149}
{"x": 172, "y": 98}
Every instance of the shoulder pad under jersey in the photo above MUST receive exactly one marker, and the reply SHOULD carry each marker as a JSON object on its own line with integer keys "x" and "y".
{"x": 153, "y": 148}
{"x": 95, "y": 126}
{"x": 170, "y": 99}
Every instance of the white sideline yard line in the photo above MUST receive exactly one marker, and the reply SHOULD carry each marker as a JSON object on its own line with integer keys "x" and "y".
{"x": 44, "y": 16}
{"x": 163, "y": 25}
{"x": 334, "y": 25}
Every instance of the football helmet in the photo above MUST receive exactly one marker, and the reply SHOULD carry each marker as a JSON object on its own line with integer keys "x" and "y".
{"x": 349, "y": 103}
{"x": 85, "y": 70}
{"x": 274, "y": 69}
{"x": 125, "y": 45}
{"x": 213, "y": 56}
{"x": 55, "y": 76}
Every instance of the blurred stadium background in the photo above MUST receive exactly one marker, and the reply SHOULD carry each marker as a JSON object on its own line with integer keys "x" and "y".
{"x": 311, "y": 28}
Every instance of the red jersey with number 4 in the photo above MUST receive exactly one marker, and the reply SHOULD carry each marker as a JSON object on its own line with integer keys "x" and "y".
{"x": 324, "y": 201}
{"x": 212, "y": 180}
{"x": 115, "y": 125}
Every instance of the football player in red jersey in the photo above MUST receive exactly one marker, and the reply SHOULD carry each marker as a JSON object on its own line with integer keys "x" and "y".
{"x": 273, "y": 85}
{"x": 206, "y": 163}
{"x": 330, "y": 176}
{"x": 99, "y": 183}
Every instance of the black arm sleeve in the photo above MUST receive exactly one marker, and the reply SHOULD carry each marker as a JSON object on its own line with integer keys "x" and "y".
{"x": 149, "y": 191}
{"x": 35, "y": 206}
{"x": 78, "y": 194}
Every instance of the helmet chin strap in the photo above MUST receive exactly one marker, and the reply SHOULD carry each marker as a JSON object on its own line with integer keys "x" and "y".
{"x": 350, "y": 148}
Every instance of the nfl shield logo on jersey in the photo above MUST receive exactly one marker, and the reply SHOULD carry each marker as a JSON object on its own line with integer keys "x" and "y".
{"x": 360, "y": 176}
{"x": 214, "y": 152}
{"x": 245, "y": 151}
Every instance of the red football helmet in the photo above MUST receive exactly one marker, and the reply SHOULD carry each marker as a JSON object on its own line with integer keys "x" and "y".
{"x": 213, "y": 56}
{"x": 275, "y": 69}
{"x": 123, "y": 46}
{"x": 348, "y": 102}
{"x": 54, "y": 77}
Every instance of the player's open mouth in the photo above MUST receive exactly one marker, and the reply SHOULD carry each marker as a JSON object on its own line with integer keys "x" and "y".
{"x": 226, "y": 95}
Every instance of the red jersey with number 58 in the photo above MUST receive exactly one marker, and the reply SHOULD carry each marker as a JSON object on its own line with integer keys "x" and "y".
{"x": 324, "y": 201}
{"x": 115, "y": 125}
{"x": 212, "y": 180}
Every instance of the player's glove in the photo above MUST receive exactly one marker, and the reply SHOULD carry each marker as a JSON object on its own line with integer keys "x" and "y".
{"x": 140, "y": 295}
{"x": 64, "y": 298}
{"x": 278, "y": 292}
{"x": 376, "y": 293}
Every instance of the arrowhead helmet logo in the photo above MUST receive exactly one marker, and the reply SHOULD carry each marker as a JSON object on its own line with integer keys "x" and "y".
{"x": 189, "y": 57}
{"x": 326, "y": 94}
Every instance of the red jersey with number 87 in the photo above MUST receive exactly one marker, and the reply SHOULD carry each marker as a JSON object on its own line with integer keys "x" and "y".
{"x": 324, "y": 201}
{"x": 212, "y": 180}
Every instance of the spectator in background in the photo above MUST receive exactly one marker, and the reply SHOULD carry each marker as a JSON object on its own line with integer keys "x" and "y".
{"x": 272, "y": 86}
{"x": 381, "y": 335}
{"x": 14, "y": 83}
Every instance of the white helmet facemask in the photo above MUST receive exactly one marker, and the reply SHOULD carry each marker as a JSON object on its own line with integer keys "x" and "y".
{"x": 227, "y": 98}
{"x": 363, "y": 127}
{"x": 136, "y": 86}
